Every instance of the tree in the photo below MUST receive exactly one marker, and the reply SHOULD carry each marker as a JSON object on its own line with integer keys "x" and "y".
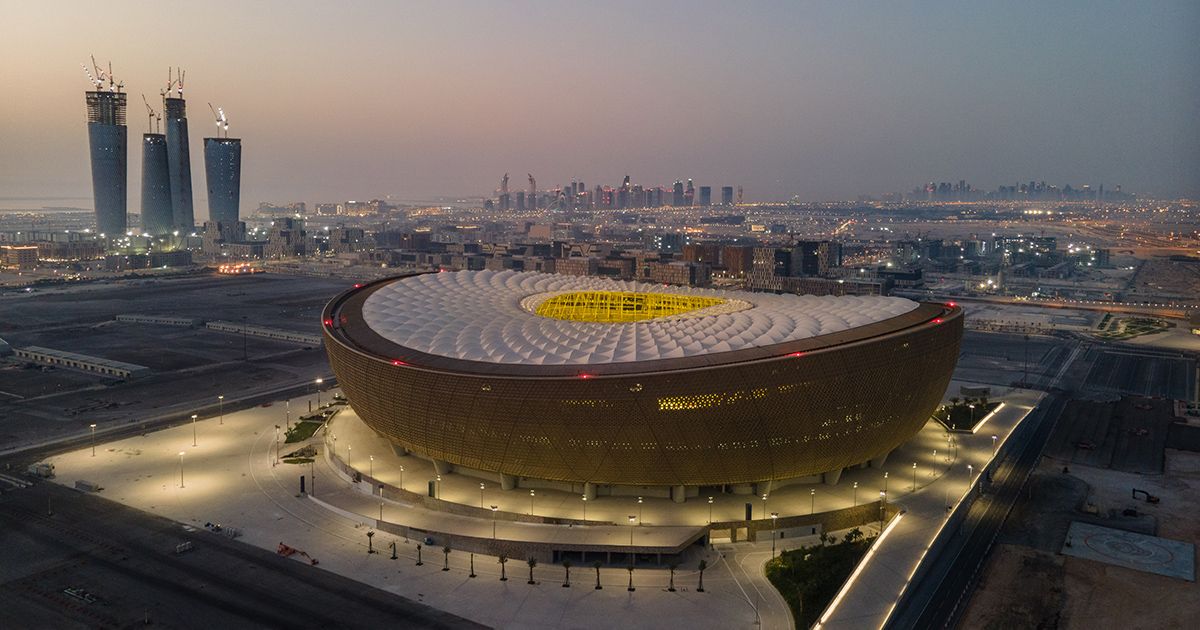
{"x": 596, "y": 565}
{"x": 703, "y": 566}
{"x": 532, "y": 562}
{"x": 954, "y": 401}
{"x": 446, "y": 554}
{"x": 853, "y": 535}
{"x": 825, "y": 538}
{"x": 503, "y": 560}
{"x": 567, "y": 565}
{"x": 672, "y": 565}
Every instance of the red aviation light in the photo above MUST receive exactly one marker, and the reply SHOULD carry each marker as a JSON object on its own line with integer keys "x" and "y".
{"x": 796, "y": 354}
{"x": 937, "y": 320}
{"x": 329, "y": 322}
{"x": 951, "y": 304}
{"x": 358, "y": 285}
{"x": 585, "y": 376}
{"x": 398, "y": 362}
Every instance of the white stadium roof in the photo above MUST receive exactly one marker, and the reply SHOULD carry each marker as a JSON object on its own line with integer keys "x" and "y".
{"x": 488, "y": 316}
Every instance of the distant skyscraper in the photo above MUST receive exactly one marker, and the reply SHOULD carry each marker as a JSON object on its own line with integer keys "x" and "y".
{"x": 706, "y": 195}
{"x": 677, "y": 194}
{"x": 223, "y": 174}
{"x": 107, "y": 141}
{"x": 727, "y": 195}
{"x": 179, "y": 163}
{"x": 157, "y": 218}
{"x": 689, "y": 195}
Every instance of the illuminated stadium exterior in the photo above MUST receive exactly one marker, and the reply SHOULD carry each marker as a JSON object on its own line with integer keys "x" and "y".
{"x": 543, "y": 378}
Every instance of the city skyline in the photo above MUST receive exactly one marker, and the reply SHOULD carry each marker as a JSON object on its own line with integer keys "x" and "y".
{"x": 817, "y": 102}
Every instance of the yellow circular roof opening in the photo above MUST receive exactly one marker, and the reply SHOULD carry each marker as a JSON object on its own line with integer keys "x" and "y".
{"x": 620, "y": 306}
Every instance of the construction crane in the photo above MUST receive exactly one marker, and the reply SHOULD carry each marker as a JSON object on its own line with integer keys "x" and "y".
{"x": 222, "y": 122}
{"x": 153, "y": 125}
{"x": 174, "y": 82}
{"x": 100, "y": 76}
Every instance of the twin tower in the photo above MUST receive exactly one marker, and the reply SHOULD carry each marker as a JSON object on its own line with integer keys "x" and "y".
{"x": 166, "y": 166}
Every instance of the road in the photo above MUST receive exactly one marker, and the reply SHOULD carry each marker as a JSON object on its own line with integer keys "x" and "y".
{"x": 126, "y": 561}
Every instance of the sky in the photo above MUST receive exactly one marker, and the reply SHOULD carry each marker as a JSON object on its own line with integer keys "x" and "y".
{"x": 812, "y": 100}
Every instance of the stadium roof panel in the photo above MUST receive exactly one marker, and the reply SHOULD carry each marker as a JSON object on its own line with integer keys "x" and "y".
{"x": 493, "y": 317}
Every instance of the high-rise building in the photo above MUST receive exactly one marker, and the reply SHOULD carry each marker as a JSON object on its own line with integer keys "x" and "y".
{"x": 223, "y": 174}
{"x": 677, "y": 194}
{"x": 157, "y": 217}
{"x": 706, "y": 195}
{"x": 107, "y": 141}
{"x": 727, "y": 195}
{"x": 689, "y": 195}
{"x": 179, "y": 163}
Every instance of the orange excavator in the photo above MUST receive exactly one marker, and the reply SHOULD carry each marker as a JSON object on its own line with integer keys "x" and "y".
{"x": 288, "y": 551}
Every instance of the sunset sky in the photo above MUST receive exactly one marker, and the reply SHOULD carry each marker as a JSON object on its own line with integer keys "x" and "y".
{"x": 818, "y": 100}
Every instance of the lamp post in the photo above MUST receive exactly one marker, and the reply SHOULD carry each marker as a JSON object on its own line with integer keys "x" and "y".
{"x": 885, "y": 482}
{"x": 381, "y": 510}
{"x": 994, "y": 438}
{"x": 855, "y": 494}
{"x": 180, "y": 469}
{"x": 287, "y": 414}
{"x": 194, "y": 429}
{"x": 584, "y": 497}
{"x": 774, "y": 527}
{"x": 812, "y": 501}
{"x": 221, "y": 408}
{"x": 371, "y": 466}
{"x": 481, "y": 486}
{"x": 531, "y": 493}
{"x": 348, "y": 449}
{"x": 764, "y": 500}
{"x": 882, "y": 507}
{"x": 710, "y": 504}
{"x": 632, "y": 518}
{"x": 319, "y": 381}
{"x": 93, "y": 425}
{"x": 914, "y": 476}
{"x": 970, "y": 475}
{"x": 494, "y": 508}
{"x": 639, "y": 510}
{"x": 402, "y": 477}
{"x": 437, "y": 486}
{"x": 276, "y": 445}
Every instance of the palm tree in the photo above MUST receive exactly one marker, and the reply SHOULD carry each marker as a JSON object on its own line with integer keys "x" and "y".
{"x": 597, "y": 564}
{"x": 446, "y": 554}
{"x": 567, "y": 565}
{"x": 532, "y": 562}
{"x": 672, "y": 565}
{"x": 703, "y": 566}
{"x": 630, "y": 569}
{"x": 503, "y": 560}
{"x": 419, "y": 563}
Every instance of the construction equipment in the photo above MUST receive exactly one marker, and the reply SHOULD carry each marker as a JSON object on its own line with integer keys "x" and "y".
{"x": 153, "y": 124}
{"x": 1150, "y": 498}
{"x": 222, "y": 122}
{"x": 288, "y": 551}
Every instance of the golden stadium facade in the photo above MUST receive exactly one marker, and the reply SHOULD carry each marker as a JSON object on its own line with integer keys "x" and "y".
{"x": 595, "y": 381}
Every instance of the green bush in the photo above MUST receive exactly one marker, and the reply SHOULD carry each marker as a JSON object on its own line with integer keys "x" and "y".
{"x": 810, "y": 577}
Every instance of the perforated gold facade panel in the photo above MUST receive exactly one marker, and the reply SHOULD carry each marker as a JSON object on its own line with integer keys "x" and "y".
{"x": 785, "y": 411}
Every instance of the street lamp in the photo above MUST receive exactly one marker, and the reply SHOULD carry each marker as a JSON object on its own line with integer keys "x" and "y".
{"x": 402, "y": 477}
{"x": 437, "y": 486}
{"x": 764, "y": 500}
{"x": 584, "y": 497}
{"x": 885, "y": 482}
{"x": 855, "y": 494}
{"x": 994, "y": 438}
{"x": 180, "y": 469}
{"x": 640, "y": 510}
{"x": 812, "y": 501}
{"x": 221, "y": 407}
{"x": 494, "y": 508}
{"x": 481, "y": 486}
{"x": 710, "y": 504}
{"x": 632, "y": 518}
{"x": 914, "y": 476}
{"x": 882, "y": 507}
{"x": 319, "y": 381}
{"x": 371, "y": 466}
{"x": 348, "y": 449}
{"x": 193, "y": 430}
{"x": 531, "y": 493}
{"x": 287, "y": 414}
{"x": 774, "y": 526}
{"x": 93, "y": 439}
{"x": 969, "y": 475}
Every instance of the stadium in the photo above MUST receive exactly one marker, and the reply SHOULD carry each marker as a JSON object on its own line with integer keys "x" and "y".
{"x": 590, "y": 382}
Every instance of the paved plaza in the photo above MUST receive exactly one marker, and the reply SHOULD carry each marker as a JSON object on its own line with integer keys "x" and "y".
{"x": 231, "y": 477}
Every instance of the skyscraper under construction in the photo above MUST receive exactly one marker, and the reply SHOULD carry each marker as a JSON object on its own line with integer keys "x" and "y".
{"x": 157, "y": 216}
{"x": 107, "y": 141}
{"x": 179, "y": 164}
{"x": 223, "y": 173}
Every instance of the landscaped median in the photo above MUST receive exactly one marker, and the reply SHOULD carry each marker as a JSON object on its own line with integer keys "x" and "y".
{"x": 810, "y": 577}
